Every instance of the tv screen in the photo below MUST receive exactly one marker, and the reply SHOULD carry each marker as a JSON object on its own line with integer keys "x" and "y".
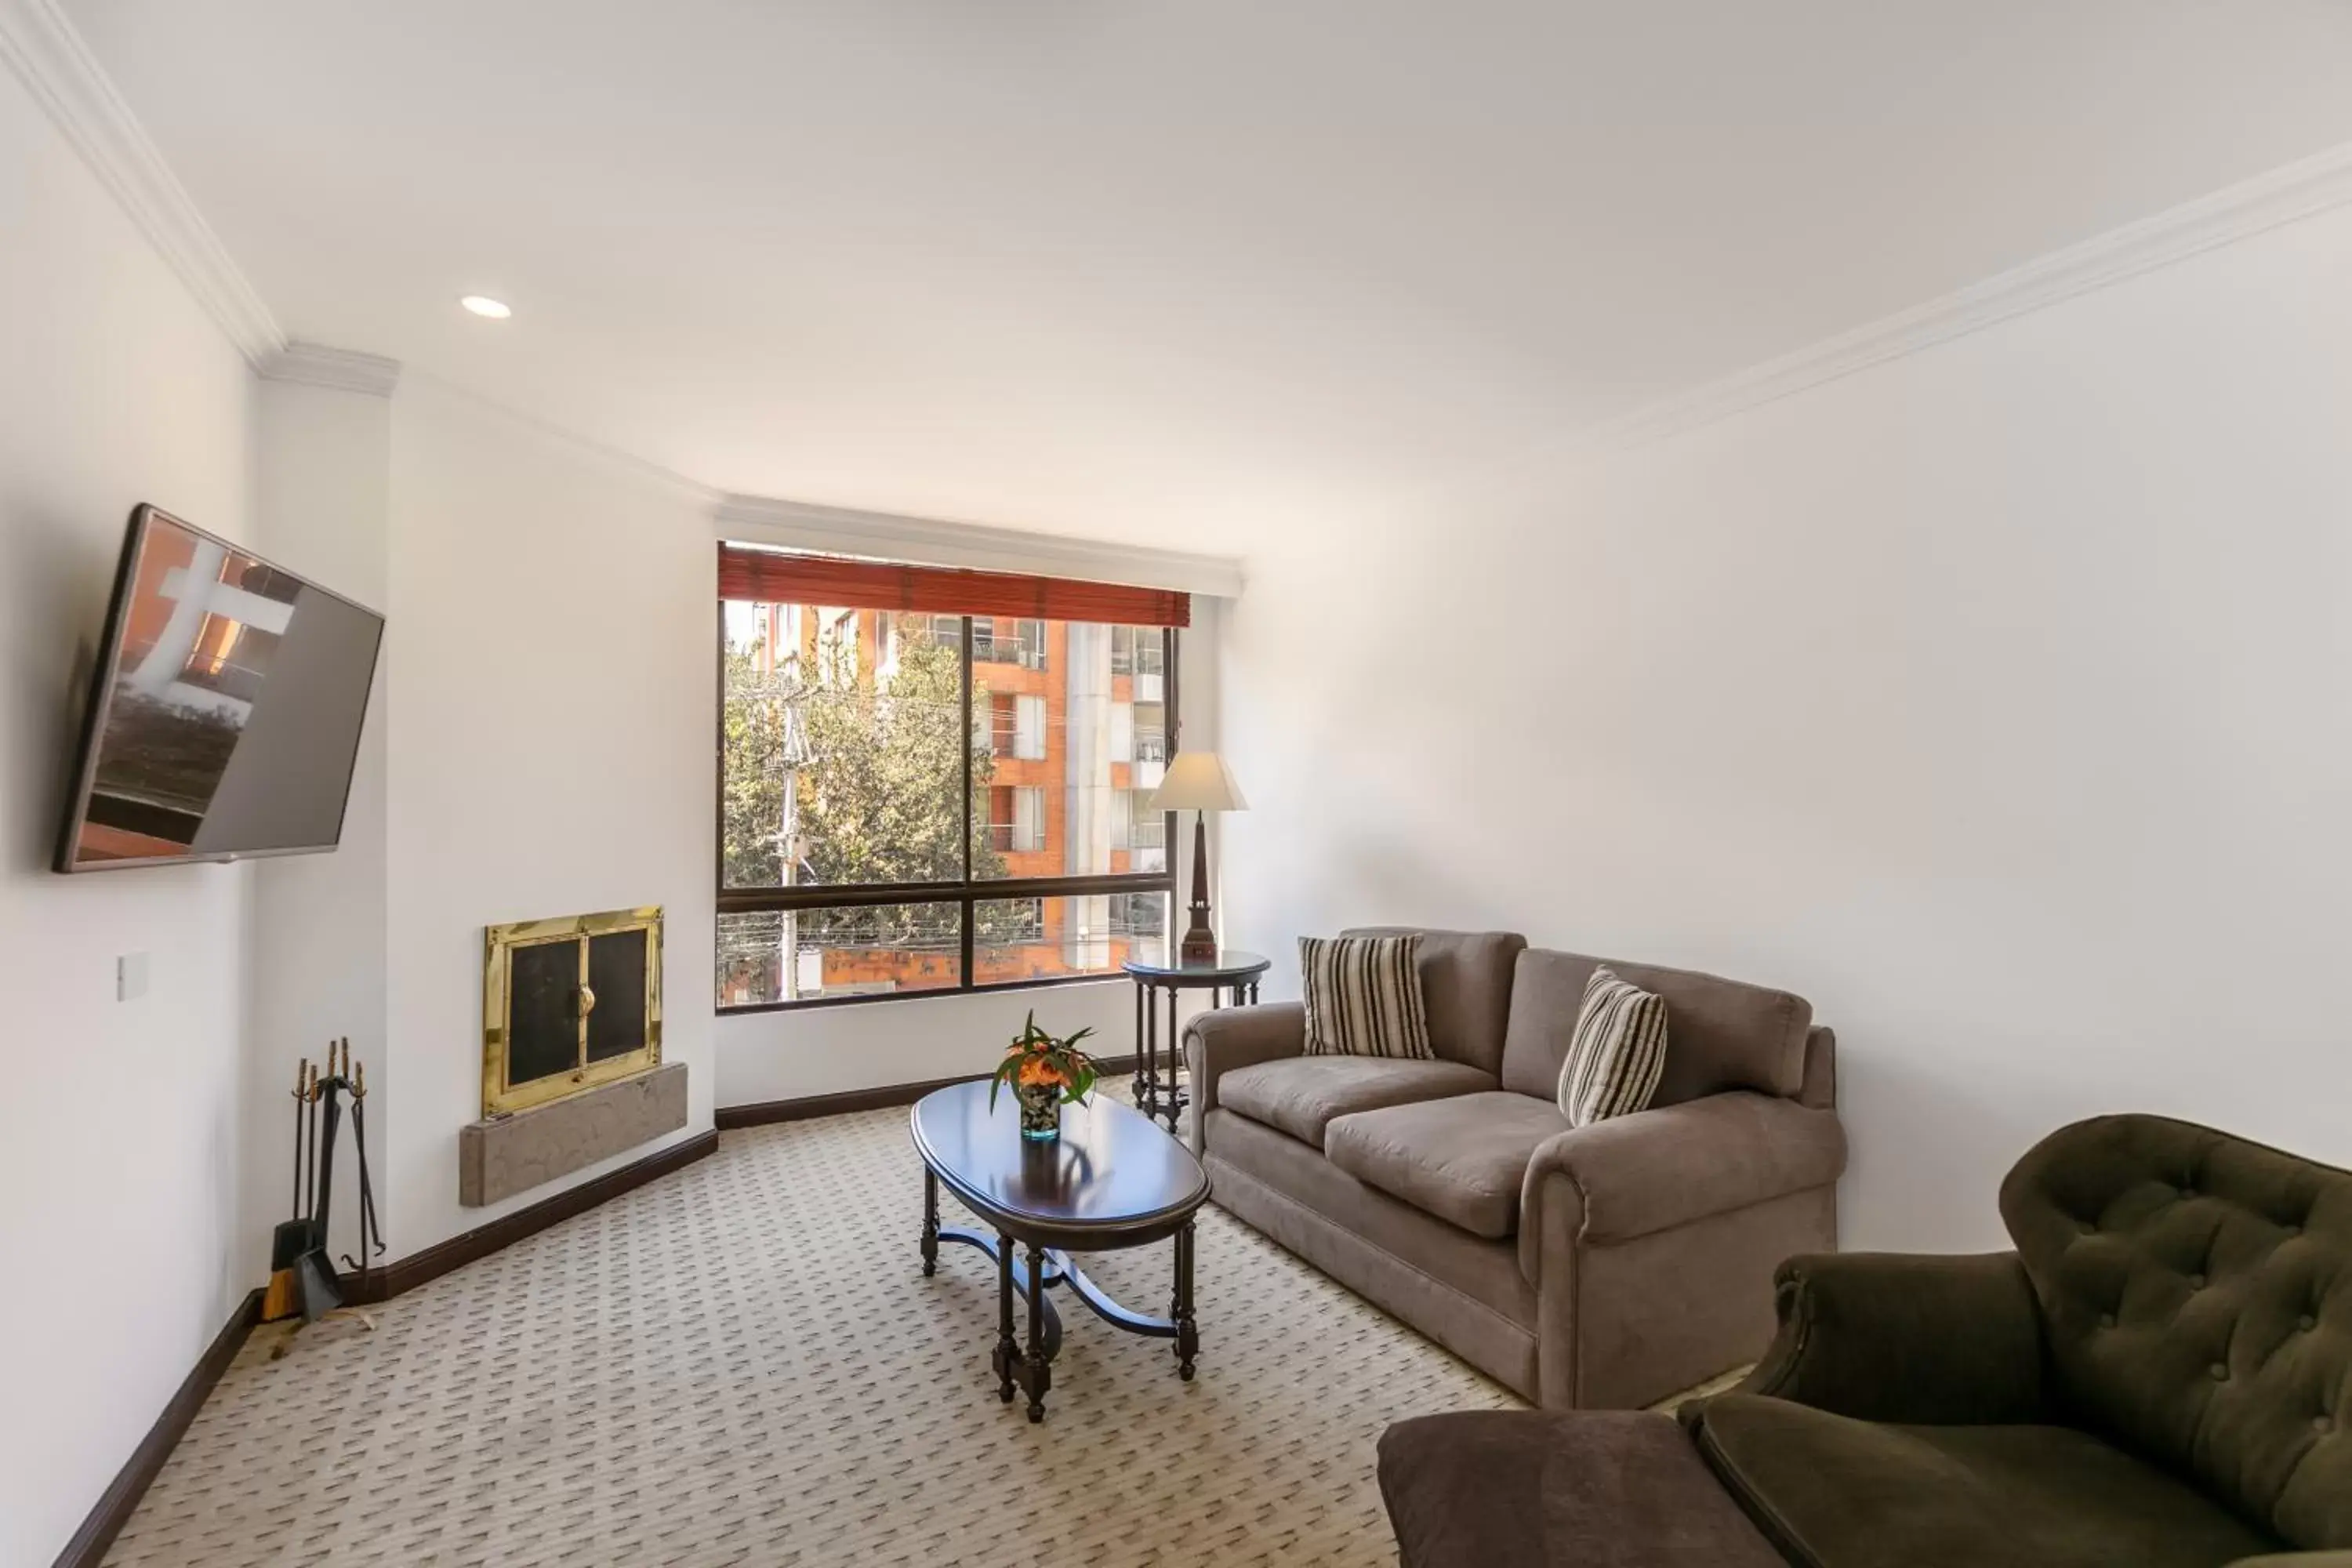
{"x": 225, "y": 712}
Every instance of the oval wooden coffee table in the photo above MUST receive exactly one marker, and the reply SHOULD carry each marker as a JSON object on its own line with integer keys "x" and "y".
{"x": 1112, "y": 1179}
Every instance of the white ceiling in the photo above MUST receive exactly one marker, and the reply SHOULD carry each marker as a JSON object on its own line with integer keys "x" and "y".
{"x": 1184, "y": 272}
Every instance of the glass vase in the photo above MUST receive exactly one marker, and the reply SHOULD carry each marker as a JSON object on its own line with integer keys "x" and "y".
{"x": 1040, "y": 1111}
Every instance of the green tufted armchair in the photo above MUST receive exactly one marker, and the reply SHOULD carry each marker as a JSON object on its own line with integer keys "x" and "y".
{"x": 2160, "y": 1375}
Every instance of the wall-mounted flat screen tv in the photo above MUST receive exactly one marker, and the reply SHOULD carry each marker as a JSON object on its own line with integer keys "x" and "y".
{"x": 224, "y": 714}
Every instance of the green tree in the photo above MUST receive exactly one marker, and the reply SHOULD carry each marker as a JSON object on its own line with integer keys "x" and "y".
{"x": 876, "y": 768}
{"x": 756, "y": 762}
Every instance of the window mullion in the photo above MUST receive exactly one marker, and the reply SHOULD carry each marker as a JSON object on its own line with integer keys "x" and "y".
{"x": 964, "y": 925}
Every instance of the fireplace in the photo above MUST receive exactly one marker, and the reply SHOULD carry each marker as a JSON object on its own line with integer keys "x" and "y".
{"x": 568, "y": 1006}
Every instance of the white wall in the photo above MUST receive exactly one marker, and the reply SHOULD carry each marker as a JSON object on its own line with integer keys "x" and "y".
{"x": 553, "y": 690}
{"x": 321, "y": 499}
{"x": 792, "y": 1054}
{"x": 1998, "y": 698}
{"x": 121, "y": 1122}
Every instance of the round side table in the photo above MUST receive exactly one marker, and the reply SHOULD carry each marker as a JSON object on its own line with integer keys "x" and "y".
{"x": 1232, "y": 973}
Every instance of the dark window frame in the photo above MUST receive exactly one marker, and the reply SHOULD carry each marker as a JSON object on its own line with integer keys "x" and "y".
{"x": 964, "y": 893}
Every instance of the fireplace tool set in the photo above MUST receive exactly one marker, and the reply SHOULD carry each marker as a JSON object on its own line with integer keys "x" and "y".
{"x": 302, "y": 1273}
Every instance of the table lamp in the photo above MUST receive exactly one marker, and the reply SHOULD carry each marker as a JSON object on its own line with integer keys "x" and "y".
{"x": 1199, "y": 782}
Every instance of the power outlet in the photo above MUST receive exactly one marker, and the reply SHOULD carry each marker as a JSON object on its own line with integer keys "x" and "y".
{"x": 131, "y": 977}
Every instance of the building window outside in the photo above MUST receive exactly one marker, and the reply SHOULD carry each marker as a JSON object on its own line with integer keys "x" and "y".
{"x": 1029, "y": 728}
{"x": 1150, "y": 826}
{"x": 1016, "y": 818}
{"x": 1017, "y": 726}
{"x": 996, "y": 640}
{"x": 1136, "y": 650}
{"x": 1138, "y": 916}
{"x": 848, "y": 737}
{"x": 1133, "y": 824}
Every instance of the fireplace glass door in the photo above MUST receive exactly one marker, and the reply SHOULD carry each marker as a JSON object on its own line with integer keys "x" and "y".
{"x": 568, "y": 1004}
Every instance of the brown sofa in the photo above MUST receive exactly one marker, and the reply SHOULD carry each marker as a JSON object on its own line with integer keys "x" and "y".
{"x": 1608, "y": 1266}
{"x": 2159, "y": 1376}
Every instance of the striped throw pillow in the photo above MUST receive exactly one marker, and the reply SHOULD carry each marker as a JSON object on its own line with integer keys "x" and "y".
{"x": 1363, "y": 996}
{"x": 1616, "y": 1054}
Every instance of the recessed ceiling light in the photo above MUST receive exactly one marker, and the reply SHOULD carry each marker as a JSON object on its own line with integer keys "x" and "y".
{"x": 483, "y": 305}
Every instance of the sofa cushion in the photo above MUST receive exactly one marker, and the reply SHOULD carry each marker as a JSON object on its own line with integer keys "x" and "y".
{"x": 2196, "y": 1296}
{"x": 1617, "y": 1052}
{"x": 1522, "y": 1488}
{"x": 1300, "y": 1095}
{"x": 1842, "y": 1493}
{"x": 1461, "y": 1159}
{"x": 1466, "y": 989}
{"x": 1462, "y": 1290}
{"x": 1363, "y": 995}
{"x": 1720, "y": 1034}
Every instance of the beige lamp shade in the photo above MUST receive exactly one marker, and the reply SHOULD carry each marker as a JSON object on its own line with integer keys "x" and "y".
{"x": 1198, "y": 780}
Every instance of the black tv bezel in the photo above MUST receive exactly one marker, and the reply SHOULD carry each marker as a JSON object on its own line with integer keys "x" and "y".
{"x": 102, "y": 698}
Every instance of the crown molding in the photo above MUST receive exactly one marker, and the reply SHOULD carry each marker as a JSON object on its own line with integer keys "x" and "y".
{"x": 347, "y": 370}
{"x": 837, "y": 530}
{"x": 2268, "y": 201}
{"x": 41, "y": 45}
{"x": 621, "y": 464}
{"x": 57, "y": 69}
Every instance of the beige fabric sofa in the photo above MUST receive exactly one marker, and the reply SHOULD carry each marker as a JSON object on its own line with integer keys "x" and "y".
{"x": 1606, "y": 1265}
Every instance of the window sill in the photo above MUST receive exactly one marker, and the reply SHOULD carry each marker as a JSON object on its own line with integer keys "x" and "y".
{"x": 937, "y": 993}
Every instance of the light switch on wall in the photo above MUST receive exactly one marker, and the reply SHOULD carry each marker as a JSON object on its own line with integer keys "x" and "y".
{"x": 131, "y": 977}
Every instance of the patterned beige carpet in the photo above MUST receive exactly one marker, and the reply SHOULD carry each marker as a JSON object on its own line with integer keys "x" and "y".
{"x": 742, "y": 1364}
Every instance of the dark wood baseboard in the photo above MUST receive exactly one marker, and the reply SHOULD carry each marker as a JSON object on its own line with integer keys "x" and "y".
{"x": 89, "y": 1544}
{"x": 807, "y": 1108}
{"x": 407, "y": 1274}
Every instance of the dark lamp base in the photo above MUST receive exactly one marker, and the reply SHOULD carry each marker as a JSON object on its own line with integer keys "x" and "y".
{"x": 1199, "y": 944}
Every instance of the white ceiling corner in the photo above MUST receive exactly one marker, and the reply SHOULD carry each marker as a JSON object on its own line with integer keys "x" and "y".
{"x": 2300, "y": 190}
{"x": 315, "y": 364}
{"x": 66, "y": 80}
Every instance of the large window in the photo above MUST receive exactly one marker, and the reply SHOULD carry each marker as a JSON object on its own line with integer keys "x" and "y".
{"x": 912, "y": 801}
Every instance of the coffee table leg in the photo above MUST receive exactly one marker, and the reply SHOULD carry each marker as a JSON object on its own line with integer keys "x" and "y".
{"x": 930, "y": 1222}
{"x": 1188, "y": 1337}
{"x": 1036, "y": 1373}
{"x": 1008, "y": 1349}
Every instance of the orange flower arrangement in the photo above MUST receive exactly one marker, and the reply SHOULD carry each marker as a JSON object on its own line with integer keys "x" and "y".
{"x": 1038, "y": 1065}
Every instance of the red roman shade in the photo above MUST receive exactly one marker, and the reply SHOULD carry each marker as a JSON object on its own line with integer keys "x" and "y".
{"x": 774, "y": 576}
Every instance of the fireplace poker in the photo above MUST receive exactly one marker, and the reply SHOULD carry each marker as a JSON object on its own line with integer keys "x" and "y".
{"x": 310, "y": 1141}
{"x": 330, "y": 1091}
{"x": 302, "y": 1073}
{"x": 371, "y": 1243}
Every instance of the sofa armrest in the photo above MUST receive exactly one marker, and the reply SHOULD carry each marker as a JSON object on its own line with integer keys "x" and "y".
{"x": 1224, "y": 1038}
{"x": 1635, "y": 1175}
{"x": 1949, "y": 1340}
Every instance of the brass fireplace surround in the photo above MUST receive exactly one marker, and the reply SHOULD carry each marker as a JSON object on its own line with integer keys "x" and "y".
{"x": 568, "y": 1004}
